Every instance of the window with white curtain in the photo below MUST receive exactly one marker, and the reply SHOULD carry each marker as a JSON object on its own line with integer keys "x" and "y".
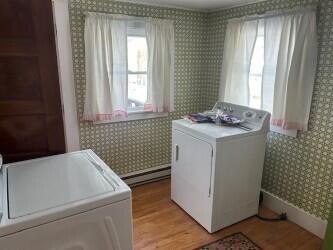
{"x": 256, "y": 90}
{"x": 269, "y": 63}
{"x": 137, "y": 63}
{"x": 256, "y": 71}
{"x": 129, "y": 67}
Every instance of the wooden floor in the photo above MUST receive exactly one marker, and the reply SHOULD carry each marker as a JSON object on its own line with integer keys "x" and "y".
{"x": 160, "y": 224}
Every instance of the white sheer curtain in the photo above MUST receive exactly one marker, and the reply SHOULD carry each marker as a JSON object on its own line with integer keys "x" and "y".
{"x": 290, "y": 66}
{"x": 106, "y": 67}
{"x": 160, "y": 39}
{"x": 238, "y": 49}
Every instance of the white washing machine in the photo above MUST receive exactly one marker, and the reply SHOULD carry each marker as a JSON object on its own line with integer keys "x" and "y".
{"x": 216, "y": 170}
{"x": 66, "y": 202}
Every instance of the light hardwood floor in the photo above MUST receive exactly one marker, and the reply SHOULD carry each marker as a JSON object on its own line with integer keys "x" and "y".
{"x": 160, "y": 224}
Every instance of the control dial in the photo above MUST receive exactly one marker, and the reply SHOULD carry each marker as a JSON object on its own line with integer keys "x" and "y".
{"x": 249, "y": 114}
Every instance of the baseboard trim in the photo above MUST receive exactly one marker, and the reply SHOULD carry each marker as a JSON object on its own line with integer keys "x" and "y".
{"x": 297, "y": 215}
{"x": 147, "y": 175}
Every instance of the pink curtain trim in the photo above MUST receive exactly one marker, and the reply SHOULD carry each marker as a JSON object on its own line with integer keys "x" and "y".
{"x": 105, "y": 117}
{"x": 156, "y": 109}
{"x": 148, "y": 107}
{"x": 289, "y": 125}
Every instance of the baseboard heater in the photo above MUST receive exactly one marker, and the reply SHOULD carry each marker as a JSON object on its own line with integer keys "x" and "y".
{"x": 147, "y": 175}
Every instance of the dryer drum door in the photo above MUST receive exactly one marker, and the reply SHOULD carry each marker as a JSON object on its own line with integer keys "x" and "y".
{"x": 191, "y": 174}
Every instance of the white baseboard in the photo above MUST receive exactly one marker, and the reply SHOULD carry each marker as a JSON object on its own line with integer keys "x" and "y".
{"x": 297, "y": 215}
{"x": 146, "y": 175}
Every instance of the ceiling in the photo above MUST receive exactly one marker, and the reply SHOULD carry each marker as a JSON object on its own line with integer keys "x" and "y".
{"x": 206, "y": 5}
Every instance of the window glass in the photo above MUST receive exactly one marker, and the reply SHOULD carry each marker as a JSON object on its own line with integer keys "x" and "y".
{"x": 137, "y": 54}
{"x": 137, "y": 72}
{"x": 137, "y": 90}
{"x": 256, "y": 71}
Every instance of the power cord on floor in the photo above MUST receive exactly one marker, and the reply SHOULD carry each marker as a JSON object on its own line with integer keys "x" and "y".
{"x": 280, "y": 217}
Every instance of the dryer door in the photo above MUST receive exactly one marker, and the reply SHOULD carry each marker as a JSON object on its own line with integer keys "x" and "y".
{"x": 191, "y": 175}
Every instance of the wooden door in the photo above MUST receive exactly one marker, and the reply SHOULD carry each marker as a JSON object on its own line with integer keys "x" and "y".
{"x": 31, "y": 123}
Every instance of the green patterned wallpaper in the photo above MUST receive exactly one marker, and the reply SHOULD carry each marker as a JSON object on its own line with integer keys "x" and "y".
{"x": 136, "y": 145}
{"x": 298, "y": 170}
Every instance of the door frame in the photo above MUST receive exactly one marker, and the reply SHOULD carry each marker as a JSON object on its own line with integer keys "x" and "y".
{"x": 66, "y": 73}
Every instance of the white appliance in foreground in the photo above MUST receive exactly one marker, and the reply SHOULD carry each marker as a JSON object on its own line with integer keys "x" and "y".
{"x": 65, "y": 202}
{"x": 216, "y": 170}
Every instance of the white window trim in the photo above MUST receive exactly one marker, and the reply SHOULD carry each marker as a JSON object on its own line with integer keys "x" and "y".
{"x": 135, "y": 115}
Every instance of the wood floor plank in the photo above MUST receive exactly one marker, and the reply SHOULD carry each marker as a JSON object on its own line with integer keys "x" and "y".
{"x": 160, "y": 224}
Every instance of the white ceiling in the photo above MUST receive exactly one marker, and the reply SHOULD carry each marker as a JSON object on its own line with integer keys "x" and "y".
{"x": 195, "y": 4}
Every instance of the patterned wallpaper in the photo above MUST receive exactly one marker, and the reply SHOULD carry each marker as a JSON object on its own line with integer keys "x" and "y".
{"x": 136, "y": 145}
{"x": 298, "y": 170}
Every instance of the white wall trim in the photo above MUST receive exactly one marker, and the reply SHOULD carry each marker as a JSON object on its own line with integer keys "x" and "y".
{"x": 297, "y": 215}
{"x": 146, "y": 175}
{"x": 66, "y": 74}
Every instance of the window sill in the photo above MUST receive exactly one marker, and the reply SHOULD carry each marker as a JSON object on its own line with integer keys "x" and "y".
{"x": 291, "y": 133}
{"x": 135, "y": 115}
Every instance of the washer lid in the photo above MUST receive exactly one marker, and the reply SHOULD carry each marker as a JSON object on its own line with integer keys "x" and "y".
{"x": 54, "y": 181}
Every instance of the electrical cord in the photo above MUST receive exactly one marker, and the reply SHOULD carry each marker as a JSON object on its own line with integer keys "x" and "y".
{"x": 280, "y": 217}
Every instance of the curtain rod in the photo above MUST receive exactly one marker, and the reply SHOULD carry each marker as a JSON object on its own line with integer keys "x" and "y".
{"x": 271, "y": 14}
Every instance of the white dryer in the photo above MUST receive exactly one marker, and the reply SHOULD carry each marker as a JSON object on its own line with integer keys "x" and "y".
{"x": 65, "y": 202}
{"x": 216, "y": 170}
